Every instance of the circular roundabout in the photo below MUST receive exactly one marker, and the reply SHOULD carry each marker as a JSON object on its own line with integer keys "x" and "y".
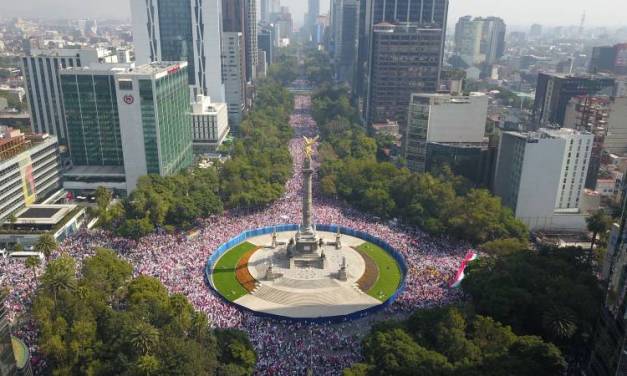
{"x": 328, "y": 272}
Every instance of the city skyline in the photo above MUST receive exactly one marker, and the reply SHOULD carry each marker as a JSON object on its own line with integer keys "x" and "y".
{"x": 604, "y": 13}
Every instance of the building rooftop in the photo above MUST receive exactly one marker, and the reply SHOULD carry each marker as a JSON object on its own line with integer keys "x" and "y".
{"x": 159, "y": 68}
{"x": 546, "y": 133}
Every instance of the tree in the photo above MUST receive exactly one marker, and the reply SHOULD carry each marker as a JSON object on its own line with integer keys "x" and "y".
{"x": 559, "y": 323}
{"x": 145, "y": 331}
{"x": 59, "y": 276}
{"x": 522, "y": 290}
{"x": 598, "y": 223}
{"x": 32, "y": 263}
{"x": 451, "y": 341}
{"x": 103, "y": 199}
{"x": 505, "y": 247}
{"x": 46, "y": 245}
{"x": 18, "y": 247}
{"x": 144, "y": 338}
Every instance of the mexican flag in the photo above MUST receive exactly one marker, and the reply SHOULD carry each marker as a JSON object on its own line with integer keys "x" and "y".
{"x": 459, "y": 276}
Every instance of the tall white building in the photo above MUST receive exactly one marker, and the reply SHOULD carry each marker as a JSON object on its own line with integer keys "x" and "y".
{"x": 541, "y": 177}
{"x": 43, "y": 88}
{"x": 182, "y": 31}
{"x": 234, "y": 71}
{"x": 442, "y": 118}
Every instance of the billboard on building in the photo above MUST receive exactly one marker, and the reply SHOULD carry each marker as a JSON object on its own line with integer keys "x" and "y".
{"x": 28, "y": 181}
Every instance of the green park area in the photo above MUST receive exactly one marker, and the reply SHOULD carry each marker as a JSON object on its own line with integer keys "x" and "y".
{"x": 389, "y": 276}
{"x": 224, "y": 278}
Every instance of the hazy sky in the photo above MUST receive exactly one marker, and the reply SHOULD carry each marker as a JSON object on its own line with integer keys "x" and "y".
{"x": 515, "y": 12}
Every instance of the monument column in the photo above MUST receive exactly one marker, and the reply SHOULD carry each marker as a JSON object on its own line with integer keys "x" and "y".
{"x": 307, "y": 222}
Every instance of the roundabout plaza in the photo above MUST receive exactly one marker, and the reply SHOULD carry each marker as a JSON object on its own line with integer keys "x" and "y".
{"x": 307, "y": 271}
{"x": 314, "y": 297}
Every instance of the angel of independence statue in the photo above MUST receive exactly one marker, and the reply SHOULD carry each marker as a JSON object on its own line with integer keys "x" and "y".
{"x": 309, "y": 143}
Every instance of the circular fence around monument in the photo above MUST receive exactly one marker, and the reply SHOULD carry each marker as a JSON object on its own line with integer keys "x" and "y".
{"x": 222, "y": 249}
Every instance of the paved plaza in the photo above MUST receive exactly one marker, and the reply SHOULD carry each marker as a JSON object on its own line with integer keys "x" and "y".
{"x": 307, "y": 292}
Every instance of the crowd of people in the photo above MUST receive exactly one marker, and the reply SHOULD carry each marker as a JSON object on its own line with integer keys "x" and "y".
{"x": 283, "y": 347}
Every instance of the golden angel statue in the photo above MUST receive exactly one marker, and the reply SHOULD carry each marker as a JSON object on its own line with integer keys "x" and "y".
{"x": 309, "y": 143}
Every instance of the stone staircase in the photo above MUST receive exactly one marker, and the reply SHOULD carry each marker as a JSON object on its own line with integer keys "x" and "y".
{"x": 340, "y": 295}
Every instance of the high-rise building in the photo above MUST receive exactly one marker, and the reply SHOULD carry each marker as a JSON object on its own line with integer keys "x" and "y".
{"x": 275, "y": 6}
{"x": 590, "y": 114}
{"x": 284, "y": 23}
{"x": 445, "y": 119}
{"x": 29, "y": 169}
{"x": 468, "y": 40}
{"x": 541, "y": 175}
{"x": 41, "y": 75}
{"x": 210, "y": 124}
{"x": 313, "y": 11}
{"x": 609, "y": 343}
{"x": 234, "y": 16}
{"x": 602, "y": 59}
{"x": 311, "y": 17}
{"x": 609, "y": 59}
{"x": 250, "y": 35}
{"x": 154, "y": 109}
{"x": 616, "y": 137}
{"x": 554, "y": 92}
{"x": 535, "y": 31}
{"x": 234, "y": 70}
{"x": 91, "y": 110}
{"x": 265, "y": 11}
{"x": 345, "y": 37}
{"x": 266, "y": 43}
{"x": 125, "y": 121}
{"x": 480, "y": 40}
{"x": 404, "y": 59}
{"x": 182, "y": 30}
{"x": 387, "y": 22}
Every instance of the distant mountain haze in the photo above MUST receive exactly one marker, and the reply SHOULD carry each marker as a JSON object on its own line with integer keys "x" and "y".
{"x": 515, "y": 12}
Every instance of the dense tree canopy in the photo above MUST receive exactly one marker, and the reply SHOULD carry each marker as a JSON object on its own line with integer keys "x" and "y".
{"x": 441, "y": 204}
{"x": 553, "y": 294}
{"x": 447, "y": 341}
{"x": 107, "y": 323}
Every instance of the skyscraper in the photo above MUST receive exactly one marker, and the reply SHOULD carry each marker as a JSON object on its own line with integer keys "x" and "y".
{"x": 313, "y": 11}
{"x": 41, "y": 75}
{"x": 265, "y": 11}
{"x": 234, "y": 70}
{"x": 234, "y": 16}
{"x": 345, "y": 37}
{"x": 250, "y": 35}
{"x": 182, "y": 30}
{"x": 412, "y": 33}
{"x": 404, "y": 59}
{"x": 480, "y": 40}
{"x": 266, "y": 43}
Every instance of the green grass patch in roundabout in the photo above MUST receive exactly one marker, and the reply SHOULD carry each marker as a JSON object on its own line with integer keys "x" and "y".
{"x": 389, "y": 276}
{"x": 223, "y": 275}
